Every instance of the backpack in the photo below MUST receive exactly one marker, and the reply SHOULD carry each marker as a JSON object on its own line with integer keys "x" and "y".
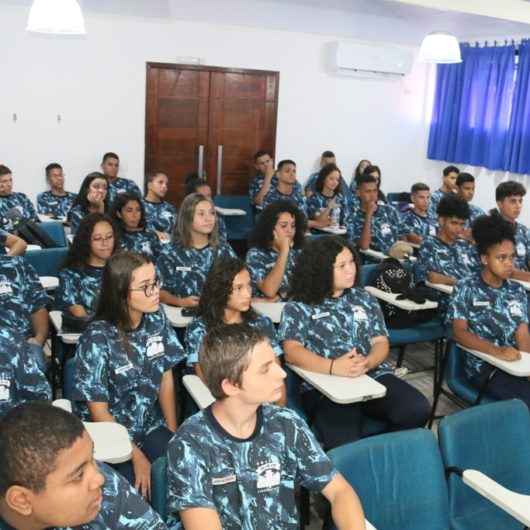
{"x": 393, "y": 277}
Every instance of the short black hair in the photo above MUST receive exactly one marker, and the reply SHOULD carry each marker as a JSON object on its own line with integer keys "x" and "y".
{"x": 463, "y": 178}
{"x": 450, "y": 169}
{"x": 453, "y": 206}
{"x": 328, "y": 154}
{"x": 507, "y": 189}
{"x": 419, "y": 186}
{"x": 4, "y": 170}
{"x": 285, "y": 162}
{"x": 260, "y": 153}
{"x": 108, "y": 155}
{"x": 192, "y": 182}
{"x": 366, "y": 178}
{"x": 52, "y": 166}
{"x": 490, "y": 230}
{"x": 153, "y": 174}
{"x": 31, "y": 437}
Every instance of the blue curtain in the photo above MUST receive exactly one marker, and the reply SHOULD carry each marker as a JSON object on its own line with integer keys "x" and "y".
{"x": 518, "y": 144}
{"x": 471, "y": 113}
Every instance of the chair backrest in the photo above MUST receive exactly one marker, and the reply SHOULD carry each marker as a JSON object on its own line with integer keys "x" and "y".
{"x": 368, "y": 274}
{"x": 159, "y": 486}
{"x": 56, "y": 231}
{"x": 47, "y": 261}
{"x": 495, "y": 439}
{"x": 399, "y": 478}
{"x": 237, "y": 226}
{"x": 455, "y": 375}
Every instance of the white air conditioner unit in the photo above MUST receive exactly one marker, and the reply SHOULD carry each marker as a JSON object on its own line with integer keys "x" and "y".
{"x": 371, "y": 60}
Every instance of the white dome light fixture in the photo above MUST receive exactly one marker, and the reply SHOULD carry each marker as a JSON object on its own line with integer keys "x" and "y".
{"x": 439, "y": 47}
{"x": 60, "y": 17}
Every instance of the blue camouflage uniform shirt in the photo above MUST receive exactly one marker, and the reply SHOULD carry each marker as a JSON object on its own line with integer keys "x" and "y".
{"x": 74, "y": 217}
{"x": 522, "y": 247}
{"x": 121, "y": 185}
{"x": 493, "y": 314}
{"x": 436, "y": 197}
{"x": 21, "y": 294}
{"x": 160, "y": 216}
{"x": 54, "y": 205}
{"x": 122, "y": 507}
{"x": 196, "y": 332}
{"x": 141, "y": 241}
{"x": 474, "y": 212}
{"x": 184, "y": 269}
{"x": 318, "y": 202}
{"x": 261, "y": 261}
{"x": 249, "y": 482}
{"x": 336, "y": 326}
{"x": 129, "y": 381}
{"x": 3, "y": 240}
{"x": 19, "y": 201}
{"x": 78, "y": 286}
{"x": 385, "y": 227}
{"x": 21, "y": 378}
{"x": 412, "y": 223}
{"x": 296, "y": 197}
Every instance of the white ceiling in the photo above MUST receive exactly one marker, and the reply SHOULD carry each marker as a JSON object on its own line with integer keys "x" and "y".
{"x": 381, "y": 20}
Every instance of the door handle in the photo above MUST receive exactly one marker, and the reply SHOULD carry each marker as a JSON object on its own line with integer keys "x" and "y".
{"x": 200, "y": 162}
{"x": 219, "y": 168}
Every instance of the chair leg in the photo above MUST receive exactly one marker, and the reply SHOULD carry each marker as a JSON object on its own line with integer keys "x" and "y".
{"x": 401, "y": 356}
{"x": 440, "y": 360}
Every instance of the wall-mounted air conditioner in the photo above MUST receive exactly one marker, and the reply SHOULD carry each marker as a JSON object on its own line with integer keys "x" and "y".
{"x": 371, "y": 60}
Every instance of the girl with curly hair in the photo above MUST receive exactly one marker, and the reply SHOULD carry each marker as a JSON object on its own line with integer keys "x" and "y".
{"x": 225, "y": 300}
{"x": 80, "y": 277}
{"x": 275, "y": 244}
{"x": 333, "y": 327}
{"x": 128, "y": 213}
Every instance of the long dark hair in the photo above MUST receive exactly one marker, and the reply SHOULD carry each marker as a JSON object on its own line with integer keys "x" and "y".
{"x": 120, "y": 202}
{"x": 217, "y": 290}
{"x": 79, "y": 253}
{"x": 263, "y": 234}
{"x": 82, "y": 199}
{"x": 312, "y": 278}
{"x": 323, "y": 173}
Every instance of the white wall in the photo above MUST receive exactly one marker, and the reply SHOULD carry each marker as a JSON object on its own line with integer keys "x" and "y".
{"x": 97, "y": 85}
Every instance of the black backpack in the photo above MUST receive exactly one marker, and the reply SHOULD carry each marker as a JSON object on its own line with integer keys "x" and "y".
{"x": 393, "y": 277}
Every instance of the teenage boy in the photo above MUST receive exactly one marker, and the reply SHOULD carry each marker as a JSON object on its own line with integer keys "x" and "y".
{"x": 56, "y": 202}
{"x": 450, "y": 174}
{"x": 110, "y": 165}
{"x": 489, "y": 312}
{"x": 160, "y": 215}
{"x": 465, "y": 189}
{"x": 446, "y": 258}
{"x": 375, "y": 226}
{"x": 263, "y": 181}
{"x": 11, "y": 200}
{"x": 509, "y": 196}
{"x": 237, "y": 464}
{"x": 49, "y": 479}
{"x": 416, "y": 223}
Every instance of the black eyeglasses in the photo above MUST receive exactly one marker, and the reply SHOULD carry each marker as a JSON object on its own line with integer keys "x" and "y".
{"x": 149, "y": 288}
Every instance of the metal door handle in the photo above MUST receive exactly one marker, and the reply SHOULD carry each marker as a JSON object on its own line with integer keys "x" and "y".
{"x": 200, "y": 163}
{"x": 219, "y": 168}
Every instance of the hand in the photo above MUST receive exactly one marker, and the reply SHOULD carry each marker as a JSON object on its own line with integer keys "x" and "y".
{"x": 281, "y": 243}
{"x": 371, "y": 209}
{"x": 163, "y": 236}
{"x": 189, "y": 301}
{"x": 269, "y": 170}
{"x": 322, "y": 221}
{"x": 508, "y": 353}
{"x": 142, "y": 473}
{"x": 95, "y": 197}
{"x": 350, "y": 364}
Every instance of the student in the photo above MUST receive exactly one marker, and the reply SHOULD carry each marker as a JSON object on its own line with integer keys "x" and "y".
{"x": 265, "y": 178}
{"x": 328, "y": 199}
{"x": 160, "y": 215}
{"x": 56, "y": 201}
{"x": 358, "y": 171}
{"x": 446, "y": 258}
{"x": 51, "y": 481}
{"x": 285, "y": 188}
{"x": 450, "y": 174}
{"x": 124, "y": 363}
{"x": 81, "y": 273}
{"x": 11, "y": 245}
{"x": 186, "y": 261}
{"x": 375, "y": 226}
{"x": 23, "y": 303}
{"x": 327, "y": 157}
{"x": 333, "y": 327}
{"x": 10, "y": 200}
{"x": 275, "y": 245}
{"x": 110, "y": 165}
{"x": 129, "y": 215}
{"x": 489, "y": 312}
{"x": 416, "y": 223}
{"x": 509, "y": 196}
{"x": 375, "y": 171}
{"x": 196, "y": 184}
{"x": 238, "y": 463}
{"x": 21, "y": 377}
{"x": 465, "y": 186}
{"x": 92, "y": 198}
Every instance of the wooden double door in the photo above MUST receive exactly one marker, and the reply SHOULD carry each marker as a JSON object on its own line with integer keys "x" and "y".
{"x": 210, "y": 120}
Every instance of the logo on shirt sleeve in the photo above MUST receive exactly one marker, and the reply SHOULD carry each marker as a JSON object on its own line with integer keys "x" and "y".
{"x": 515, "y": 309}
{"x": 521, "y": 250}
{"x": 5, "y": 385}
{"x": 385, "y": 229}
{"x": 268, "y": 476}
{"x": 155, "y": 347}
{"x": 5, "y": 287}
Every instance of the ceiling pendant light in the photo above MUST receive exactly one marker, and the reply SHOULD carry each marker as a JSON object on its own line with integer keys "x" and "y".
{"x": 440, "y": 47}
{"x": 61, "y": 17}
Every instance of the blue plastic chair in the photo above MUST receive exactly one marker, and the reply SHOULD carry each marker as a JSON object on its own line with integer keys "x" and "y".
{"x": 237, "y": 226}
{"x": 493, "y": 439}
{"x": 47, "y": 261}
{"x": 56, "y": 231}
{"x": 159, "y": 486}
{"x": 399, "y": 478}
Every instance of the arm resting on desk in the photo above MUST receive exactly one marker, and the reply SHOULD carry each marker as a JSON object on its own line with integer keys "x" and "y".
{"x": 346, "y": 508}
{"x": 436, "y": 277}
{"x": 378, "y": 352}
{"x": 522, "y": 337}
{"x": 518, "y": 274}
{"x": 296, "y": 354}
{"x": 200, "y": 518}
